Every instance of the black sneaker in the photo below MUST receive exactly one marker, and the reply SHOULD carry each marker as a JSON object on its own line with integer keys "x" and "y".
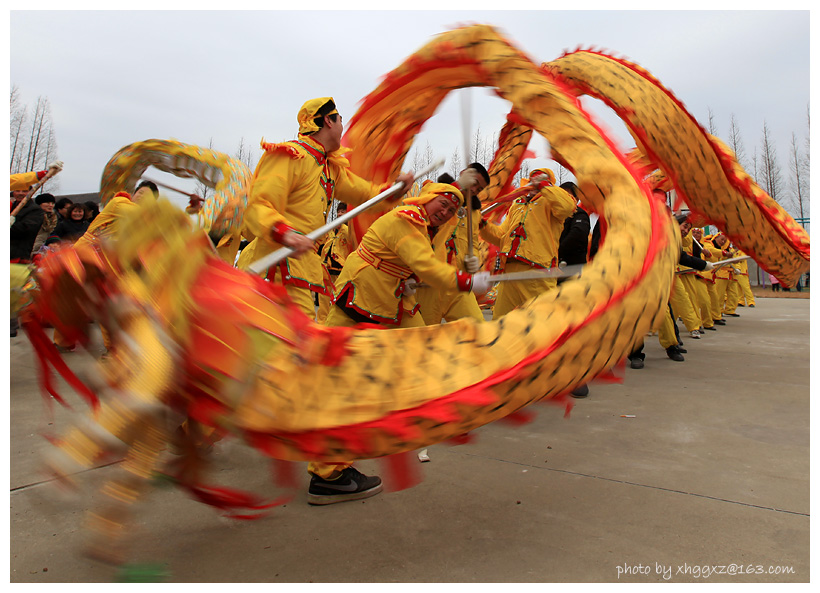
{"x": 712, "y": 328}
{"x": 682, "y": 350}
{"x": 732, "y": 314}
{"x": 580, "y": 391}
{"x": 751, "y": 306}
{"x": 719, "y": 322}
{"x": 636, "y": 363}
{"x": 350, "y": 485}
{"x": 674, "y": 353}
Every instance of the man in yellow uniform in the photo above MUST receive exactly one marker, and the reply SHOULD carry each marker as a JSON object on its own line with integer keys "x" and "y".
{"x": 695, "y": 288}
{"x": 528, "y": 239}
{"x": 747, "y": 298}
{"x": 292, "y": 187}
{"x": 450, "y": 245}
{"x": 375, "y": 287}
{"x": 723, "y": 275}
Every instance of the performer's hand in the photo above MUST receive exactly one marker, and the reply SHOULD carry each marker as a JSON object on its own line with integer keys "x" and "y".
{"x": 481, "y": 283}
{"x": 299, "y": 243}
{"x": 54, "y": 168}
{"x": 410, "y": 287}
{"x": 709, "y": 266}
{"x": 706, "y": 252}
{"x": 468, "y": 179}
{"x": 406, "y": 179}
{"x": 13, "y": 218}
{"x": 471, "y": 264}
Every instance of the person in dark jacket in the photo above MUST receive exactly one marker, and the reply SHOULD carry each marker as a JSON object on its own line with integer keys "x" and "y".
{"x": 74, "y": 225}
{"x": 24, "y": 231}
{"x": 574, "y": 240}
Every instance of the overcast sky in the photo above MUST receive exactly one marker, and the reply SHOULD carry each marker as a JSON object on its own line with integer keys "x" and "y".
{"x": 118, "y": 77}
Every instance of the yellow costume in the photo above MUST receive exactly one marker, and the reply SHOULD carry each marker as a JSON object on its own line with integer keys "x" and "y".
{"x": 292, "y": 187}
{"x": 724, "y": 286}
{"x": 106, "y": 223}
{"x": 397, "y": 246}
{"x": 22, "y": 181}
{"x": 695, "y": 287}
{"x": 450, "y": 245}
{"x": 742, "y": 278}
{"x": 528, "y": 238}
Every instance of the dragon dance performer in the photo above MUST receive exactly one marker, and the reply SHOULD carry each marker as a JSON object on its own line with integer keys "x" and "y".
{"x": 450, "y": 244}
{"x": 707, "y": 277}
{"x": 695, "y": 288}
{"x": 375, "y": 287}
{"x": 681, "y": 304}
{"x": 293, "y": 185}
{"x": 528, "y": 238}
{"x": 742, "y": 277}
{"x": 105, "y": 226}
{"x": 724, "y": 285}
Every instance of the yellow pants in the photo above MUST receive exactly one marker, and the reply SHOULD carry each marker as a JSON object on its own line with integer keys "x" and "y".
{"x": 699, "y": 296}
{"x": 746, "y": 289}
{"x": 711, "y": 288}
{"x": 725, "y": 295}
{"x": 435, "y": 305}
{"x": 682, "y": 306}
{"x": 666, "y": 331}
{"x": 733, "y": 294}
{"x": 515, "y": 294}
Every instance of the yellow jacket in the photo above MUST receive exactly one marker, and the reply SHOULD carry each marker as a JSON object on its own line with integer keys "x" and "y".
{"x": 723, "y": 272}
{"x": 22, "y": 181}
{"x": 450, "y": 242}
{"x": 292, "y": 186}
{"x": 106, "y": 223}
{"x": 336, "y": 250}
{"x": 395, "y": 247}
{"x": 530, "y": 232}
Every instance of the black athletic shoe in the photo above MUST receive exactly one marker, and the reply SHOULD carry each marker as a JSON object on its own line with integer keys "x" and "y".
{"x": 719, "y": 322}
{"x": 712, "y": 328}
{"x": 682, "y": 350}
{"x": 732, "y": 314}
{"x": 674, "y": 353}
{"x": 636, "y": 363}
{"x": 580, "y": 391}
{"x": 350, "y": 485}
{"x": 751, "y": 306}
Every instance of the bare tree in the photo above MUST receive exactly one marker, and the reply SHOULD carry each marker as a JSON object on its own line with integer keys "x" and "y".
{"x": 429, "y": 157}
{"x": 52, "y": 184}
{"x": 17, "y": 121}
{"x": 477, "y": 149}
{"x": 711, "y": 121}
{"x": 736, "y": 142}
{"x": 455, "y": 165}
{"x": 797, "y": 170}
{"x": 202, "y": 190}
{"x": 522, "y": 173}
{"x": 39, "y": 127}
{"x": 246, "y": 154}
{"x": 772, "y": 180}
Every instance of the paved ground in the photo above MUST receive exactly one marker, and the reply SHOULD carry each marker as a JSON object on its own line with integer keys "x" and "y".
{"x": 686, "y": 472}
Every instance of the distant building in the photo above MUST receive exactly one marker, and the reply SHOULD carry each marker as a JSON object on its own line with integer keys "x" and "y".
{"x": 75, "y": 198}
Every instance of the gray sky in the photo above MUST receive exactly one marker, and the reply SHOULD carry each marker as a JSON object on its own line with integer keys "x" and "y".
{"x": 118, "y": 77}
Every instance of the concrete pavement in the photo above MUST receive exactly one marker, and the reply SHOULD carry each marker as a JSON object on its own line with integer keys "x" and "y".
{"x": 686, "y": 472}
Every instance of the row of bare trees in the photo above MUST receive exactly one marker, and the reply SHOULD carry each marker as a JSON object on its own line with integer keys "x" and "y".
{"x": 32, "y": 142}
{"x": 790, "y": 189}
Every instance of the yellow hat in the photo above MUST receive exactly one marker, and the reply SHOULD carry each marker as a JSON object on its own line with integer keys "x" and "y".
{"x": 434, "y": 190}
{"x": 309, "y": 111}
{"x": 547, "y": 172}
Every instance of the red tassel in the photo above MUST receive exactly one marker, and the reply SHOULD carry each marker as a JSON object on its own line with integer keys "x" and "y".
{"x": 461, "y": 439}
{"x": 402, "y": 471}
{"x": 613, "y": 375}
{"x": 519, "y": 418}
